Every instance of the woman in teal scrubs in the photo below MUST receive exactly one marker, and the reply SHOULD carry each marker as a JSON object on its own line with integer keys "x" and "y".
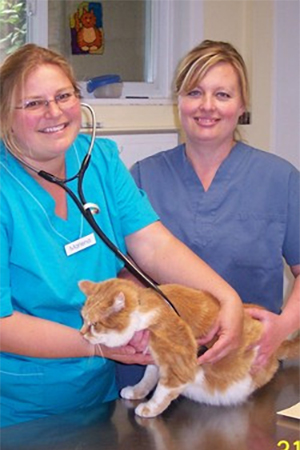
{"x": 47, "y": 367}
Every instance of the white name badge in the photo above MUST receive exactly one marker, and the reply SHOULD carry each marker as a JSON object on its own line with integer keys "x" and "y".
{"x": 80, "y": 244}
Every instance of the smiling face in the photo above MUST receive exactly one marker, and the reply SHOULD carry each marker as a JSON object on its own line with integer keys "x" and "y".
{"x": 209, "y": 112}
{"x": 45, "y": 135}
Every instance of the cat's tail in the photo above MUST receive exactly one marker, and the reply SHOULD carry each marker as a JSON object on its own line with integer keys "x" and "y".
{"x": 289, "y": 349}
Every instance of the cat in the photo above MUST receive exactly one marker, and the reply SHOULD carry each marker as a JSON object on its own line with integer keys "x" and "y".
{"x": 89, "y": 37}
{"x": 115, "y": 309}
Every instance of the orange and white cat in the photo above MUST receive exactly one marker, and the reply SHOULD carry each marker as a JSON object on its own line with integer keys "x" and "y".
{"x": 89, "y": 37}
{"x": 116, "y": 309}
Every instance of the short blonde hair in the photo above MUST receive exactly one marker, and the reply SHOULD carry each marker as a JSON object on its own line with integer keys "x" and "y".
{"x": 14, "y": 72}
{"x": 200, "y": 59}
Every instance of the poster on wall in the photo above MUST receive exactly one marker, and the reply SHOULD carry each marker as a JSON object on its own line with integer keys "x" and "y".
{"x": 86, "y": 24}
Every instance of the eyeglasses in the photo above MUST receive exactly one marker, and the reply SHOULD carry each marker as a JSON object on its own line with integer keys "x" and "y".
{"x": 40, "y": 105}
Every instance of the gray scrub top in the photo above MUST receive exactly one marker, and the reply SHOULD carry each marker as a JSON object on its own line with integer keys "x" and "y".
{"x": 243, "y": 226}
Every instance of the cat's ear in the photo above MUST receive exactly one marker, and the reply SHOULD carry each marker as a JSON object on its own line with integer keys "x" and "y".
{"x": 119, "y": 302}
{"x": 87, "y": 287}
{"x": 117, "y": 305}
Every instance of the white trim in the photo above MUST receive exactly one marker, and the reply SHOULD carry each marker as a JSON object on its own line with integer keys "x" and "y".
{"x": 160, "y": 49}
{"x": 37, "y": 21}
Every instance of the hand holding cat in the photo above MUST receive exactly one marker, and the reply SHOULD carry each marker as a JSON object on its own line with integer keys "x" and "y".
{"x": 278, "y": 327}
{"x": 140, "y": 342}
{"x": 274, "y": 332}
{"x": 219, "y": 350}
{"x": 135, "y": 352}
{"x": 228, "y": 337}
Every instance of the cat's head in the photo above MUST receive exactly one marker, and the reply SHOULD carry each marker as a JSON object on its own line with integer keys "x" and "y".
{"x": 88, "y": 19}
{"x": 109, "y": 311}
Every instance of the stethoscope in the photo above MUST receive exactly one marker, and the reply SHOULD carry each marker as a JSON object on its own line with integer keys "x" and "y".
{"x": 89, "y": 209}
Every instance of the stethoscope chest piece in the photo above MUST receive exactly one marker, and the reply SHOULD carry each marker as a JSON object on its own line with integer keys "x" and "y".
{"x": 92, "y": 207}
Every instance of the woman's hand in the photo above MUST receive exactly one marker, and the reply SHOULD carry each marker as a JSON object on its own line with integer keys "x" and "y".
{"x": 167, "y": 260}
{"x": 140, "y": 342}
{"x": 135, "y": 352}
{"x": 273, "y": 334}
{"x": 277, "y": 328}
{"x": 228, "y": 331}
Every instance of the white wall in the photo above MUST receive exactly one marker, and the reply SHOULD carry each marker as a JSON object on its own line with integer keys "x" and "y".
{"x": 286, "y": 81}
{"x": 133, "y": 147}
{"x": 267, "y": 34}
{"x": 285, "y": 118}
{"x": 248, "y": 25}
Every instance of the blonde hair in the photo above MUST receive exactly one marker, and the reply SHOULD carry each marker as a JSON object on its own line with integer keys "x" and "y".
{"x": 200, "y": 59}
{"x": 14, "y": 72}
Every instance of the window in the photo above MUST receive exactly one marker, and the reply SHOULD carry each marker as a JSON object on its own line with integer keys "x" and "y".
{"x": 170, "y": 28}
{"x": 13, "y": 26}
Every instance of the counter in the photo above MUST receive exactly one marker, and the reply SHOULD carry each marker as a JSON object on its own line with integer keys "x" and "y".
{"x": 186, "y": 425}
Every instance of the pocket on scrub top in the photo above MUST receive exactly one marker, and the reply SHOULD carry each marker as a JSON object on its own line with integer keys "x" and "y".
{"x": 22, "y": 384}
{"x": 258, "y": 240}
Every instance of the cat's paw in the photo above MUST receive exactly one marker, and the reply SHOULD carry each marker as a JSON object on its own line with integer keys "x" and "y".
{"x": 130, "y": 393}
{"x": 144, "y": 410}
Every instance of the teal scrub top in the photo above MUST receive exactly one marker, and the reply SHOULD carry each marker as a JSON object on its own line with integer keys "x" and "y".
{"x": 39, "y": 279}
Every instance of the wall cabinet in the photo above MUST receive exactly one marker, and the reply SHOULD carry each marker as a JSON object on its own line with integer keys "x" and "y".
{"x": 134, "y": 147}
